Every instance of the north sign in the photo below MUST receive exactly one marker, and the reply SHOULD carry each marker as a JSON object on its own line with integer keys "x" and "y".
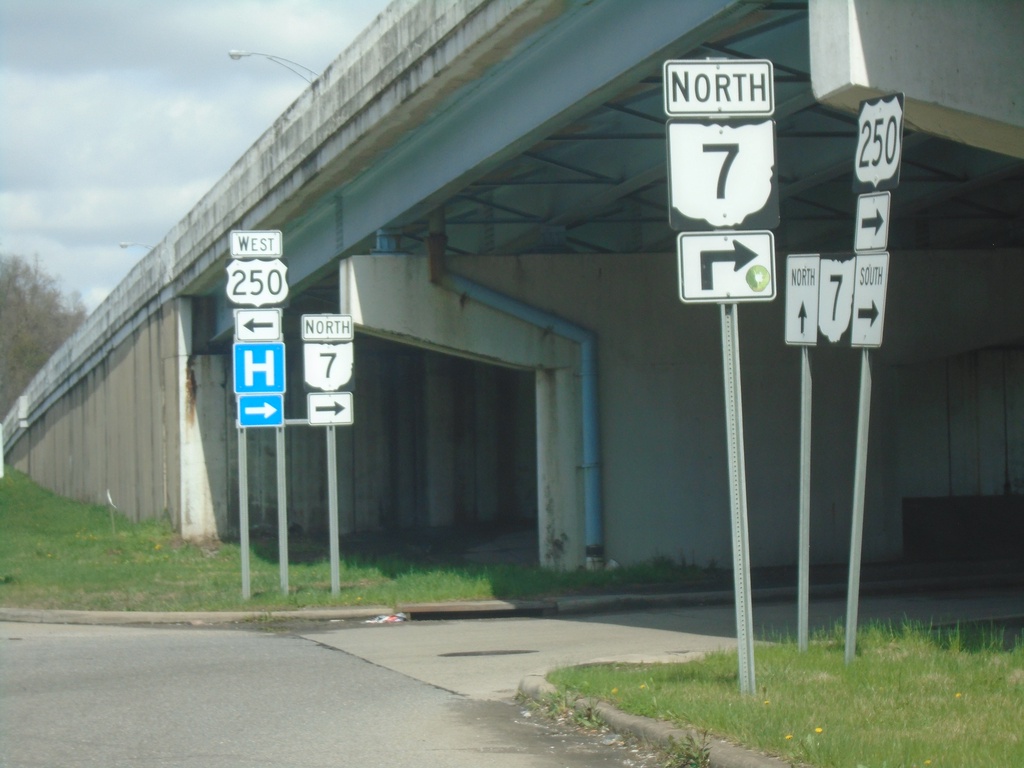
{"x": 718, "y": 87}
{"x": 801, "y": 281}
{"x": 726, "y": 267}
{"x": 327, "y": 328}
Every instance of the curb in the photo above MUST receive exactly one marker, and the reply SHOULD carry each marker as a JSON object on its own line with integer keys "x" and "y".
{"x": 654, "y": 732}
{"x": 548, "y": 607}
{"x": 195, "y": 618}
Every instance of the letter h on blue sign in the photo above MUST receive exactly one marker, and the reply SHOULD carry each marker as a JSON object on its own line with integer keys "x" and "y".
{"x": 259, "y": 368}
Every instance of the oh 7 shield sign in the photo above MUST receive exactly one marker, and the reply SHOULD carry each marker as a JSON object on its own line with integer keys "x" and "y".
{"x": 327, "y": 366}
{"x": 722, "y": 175}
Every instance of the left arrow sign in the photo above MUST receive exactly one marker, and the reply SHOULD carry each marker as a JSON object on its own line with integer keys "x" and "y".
{"x": 257, "y": 325}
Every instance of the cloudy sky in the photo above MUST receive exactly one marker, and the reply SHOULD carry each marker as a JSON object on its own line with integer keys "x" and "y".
{"x": 118, "y": 115}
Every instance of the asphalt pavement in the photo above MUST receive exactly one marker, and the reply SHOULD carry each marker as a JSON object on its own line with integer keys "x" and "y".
{"x": 452, "y": 648}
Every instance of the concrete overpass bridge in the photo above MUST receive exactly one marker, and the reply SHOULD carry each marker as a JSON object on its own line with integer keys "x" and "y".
{"x": 482, "y": 185}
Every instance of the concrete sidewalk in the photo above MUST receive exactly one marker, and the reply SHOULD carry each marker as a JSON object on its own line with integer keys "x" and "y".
{"x": 483, "y": 659}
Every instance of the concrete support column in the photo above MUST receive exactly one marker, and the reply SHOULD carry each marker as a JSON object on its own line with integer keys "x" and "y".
{"x": 203, "y": 429}
{"x": 485, "y": 439}
{"x": 559, "y": 479}
{"x": 439, "y": 415}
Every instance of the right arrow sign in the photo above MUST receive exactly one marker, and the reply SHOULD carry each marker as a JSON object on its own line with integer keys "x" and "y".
{"x": 327, "y": 408}
{"x": 726, "y": 267}
{"x": 872, "y": 223}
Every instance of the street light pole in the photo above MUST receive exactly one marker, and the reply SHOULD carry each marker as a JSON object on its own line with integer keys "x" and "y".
{"x": 286, "y": 63}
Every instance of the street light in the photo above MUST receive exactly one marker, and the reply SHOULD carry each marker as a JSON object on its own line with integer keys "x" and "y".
{"x": 126, "y": 244}
{"x": 286, "y": 63}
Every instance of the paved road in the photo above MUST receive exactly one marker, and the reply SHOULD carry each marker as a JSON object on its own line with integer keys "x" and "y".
{"x": 227, "y": 698}
{"x": 436, "y": 694}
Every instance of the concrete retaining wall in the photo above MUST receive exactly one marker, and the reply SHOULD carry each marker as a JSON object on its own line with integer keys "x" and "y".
{"x": 113, "y": 431}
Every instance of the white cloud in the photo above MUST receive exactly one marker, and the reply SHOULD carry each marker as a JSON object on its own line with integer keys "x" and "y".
{"x": 120, "y": 114}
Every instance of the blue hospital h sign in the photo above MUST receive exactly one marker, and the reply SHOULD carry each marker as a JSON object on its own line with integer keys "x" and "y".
{"x": 259, "y": 368}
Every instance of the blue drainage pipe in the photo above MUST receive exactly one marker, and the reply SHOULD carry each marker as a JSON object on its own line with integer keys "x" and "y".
{"x": 587, "y": 339}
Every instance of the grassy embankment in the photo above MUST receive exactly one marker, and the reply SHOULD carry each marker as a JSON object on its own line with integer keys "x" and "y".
{"x": 913, "y": 697}
{"x": 57, "y": 553}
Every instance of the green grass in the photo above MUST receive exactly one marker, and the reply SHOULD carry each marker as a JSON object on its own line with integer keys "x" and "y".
{"x": 57, "y": 553}
{"x": 912, "y": 697}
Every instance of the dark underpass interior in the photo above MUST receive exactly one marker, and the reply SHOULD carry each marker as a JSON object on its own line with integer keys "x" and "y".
{"x": 440, "y": 464}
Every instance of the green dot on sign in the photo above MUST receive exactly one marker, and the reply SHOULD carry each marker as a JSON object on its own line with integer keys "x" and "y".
{"x": 758, "y": 278}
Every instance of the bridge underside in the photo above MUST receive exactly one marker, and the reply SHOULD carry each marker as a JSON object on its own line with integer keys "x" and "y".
{"x": 520, "y": 147}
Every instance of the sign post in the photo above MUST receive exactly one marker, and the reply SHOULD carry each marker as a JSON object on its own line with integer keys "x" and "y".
{"x": 332, "y": 509}
{"x": 243, "y": 509}
{"x": 328, "y": 365}
{"x": 282, "y": 510}
{"x": 257, "y": 277}
{"x": 876, "y": 169}
{"x": 802, "y": 283}
{"x": 738, "y": 495}
{"x": 723, "y": 184}
{"x": 857, "y": 524}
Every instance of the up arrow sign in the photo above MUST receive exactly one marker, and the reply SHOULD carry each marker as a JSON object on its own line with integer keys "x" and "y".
{"x": 802, "y": 280}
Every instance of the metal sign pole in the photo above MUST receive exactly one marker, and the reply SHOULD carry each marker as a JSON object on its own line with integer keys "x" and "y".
{"x": 243, "y": 510}
{"x": 804, "y": 568}
{"x": 282, "y": 511}
{"x": 738, "y": 496}
{"x": 332, "y": 508}
{"x": 857, "y": 525}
